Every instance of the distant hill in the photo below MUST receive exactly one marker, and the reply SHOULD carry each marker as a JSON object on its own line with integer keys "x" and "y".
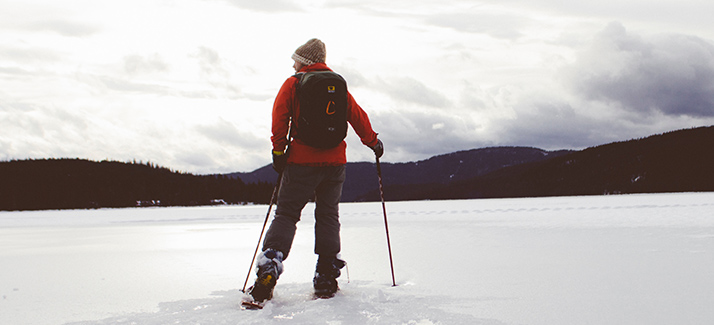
{"x": 443, "y": 169}
{"x": 76, "y": 183}
{"x": 678, "y": 161}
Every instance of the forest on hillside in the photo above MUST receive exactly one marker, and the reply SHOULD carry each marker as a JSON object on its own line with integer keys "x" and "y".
{"x": 79, "y": 184}
{"x": 677, "y": 161}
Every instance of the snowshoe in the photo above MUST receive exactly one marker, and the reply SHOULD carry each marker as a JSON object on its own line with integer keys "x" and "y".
{"x": 270, "y": 267}
{"x": 326, "y": 274}
{"x": 262, "y": 290}
{"x": 249, "y": 304}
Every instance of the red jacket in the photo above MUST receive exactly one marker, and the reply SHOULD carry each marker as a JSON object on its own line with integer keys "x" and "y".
{"x": 286, "y": 105}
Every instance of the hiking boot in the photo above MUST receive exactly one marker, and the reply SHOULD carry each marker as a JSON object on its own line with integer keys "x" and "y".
{"x": 326, "y": 274}
{"x": 270, "y": 266}
{"x": 262, "y": 290}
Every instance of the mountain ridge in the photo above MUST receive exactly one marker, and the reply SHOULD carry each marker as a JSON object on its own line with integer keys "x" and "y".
{"x": 441, "y": 169}
{"x": 675, "y": 161}
{"x": 668, "y": 162}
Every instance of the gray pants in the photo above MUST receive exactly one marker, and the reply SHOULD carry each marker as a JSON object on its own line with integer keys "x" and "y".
{"x": 299, "y": 185}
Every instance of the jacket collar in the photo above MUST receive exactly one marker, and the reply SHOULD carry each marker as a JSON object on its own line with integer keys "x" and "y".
{"x": 315, "y": 67}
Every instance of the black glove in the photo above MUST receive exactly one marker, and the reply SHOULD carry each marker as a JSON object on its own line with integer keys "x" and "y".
{"x": 280, "y": 159}
{"x": 378, "y": 149}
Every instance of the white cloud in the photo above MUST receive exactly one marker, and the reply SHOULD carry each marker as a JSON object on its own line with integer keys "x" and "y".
{"x": 136, "y": 64}
{"x": 63, "y": 27}
{"x": 228, "y": 134}
{"x": 672, "y": 74}
{"x": 497, "y": 25}
{"x": 410, "y": 90}
{"x": 20, "y": 53}
{"x": 266, "y": 6}
{"x": 190, "y": 85}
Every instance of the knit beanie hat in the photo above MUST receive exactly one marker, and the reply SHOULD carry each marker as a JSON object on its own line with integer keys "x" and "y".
{"x": 311, "y": 52}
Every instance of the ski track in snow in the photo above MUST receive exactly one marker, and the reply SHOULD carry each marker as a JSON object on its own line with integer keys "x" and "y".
{"x": 361, "y": 303}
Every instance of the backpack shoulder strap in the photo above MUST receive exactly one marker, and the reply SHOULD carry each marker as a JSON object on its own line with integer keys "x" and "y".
{"x": 293, "y": 114}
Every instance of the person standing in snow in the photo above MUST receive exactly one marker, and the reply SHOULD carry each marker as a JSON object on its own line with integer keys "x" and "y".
{"x": 308, "y": 172}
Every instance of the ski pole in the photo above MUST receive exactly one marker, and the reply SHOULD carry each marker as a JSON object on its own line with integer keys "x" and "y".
{"x": 386, "y": 225}
{"x": 273, "y": 198}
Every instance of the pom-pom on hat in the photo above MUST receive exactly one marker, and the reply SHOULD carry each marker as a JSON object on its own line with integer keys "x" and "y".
{"x": 311, "y": 52}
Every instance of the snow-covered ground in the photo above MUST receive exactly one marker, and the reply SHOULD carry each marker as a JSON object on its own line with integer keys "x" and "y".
{"x": 630, "y": 259}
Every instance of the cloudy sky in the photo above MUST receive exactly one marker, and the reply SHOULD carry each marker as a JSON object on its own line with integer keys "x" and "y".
{"x": 189, "y": 84}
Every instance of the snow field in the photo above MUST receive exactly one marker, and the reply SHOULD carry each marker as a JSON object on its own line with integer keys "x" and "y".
{"x": 630, "y": 259}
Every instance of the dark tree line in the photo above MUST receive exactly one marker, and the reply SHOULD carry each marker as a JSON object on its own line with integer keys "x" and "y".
{"x": 677, "y": 161}
{"x": 76, "y": 183}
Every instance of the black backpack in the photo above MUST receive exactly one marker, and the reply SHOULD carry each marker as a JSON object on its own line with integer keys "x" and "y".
{"x": 322, "y": 122}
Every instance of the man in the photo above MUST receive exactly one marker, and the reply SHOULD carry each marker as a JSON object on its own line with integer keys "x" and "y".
{"x": 308, "y": 172}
